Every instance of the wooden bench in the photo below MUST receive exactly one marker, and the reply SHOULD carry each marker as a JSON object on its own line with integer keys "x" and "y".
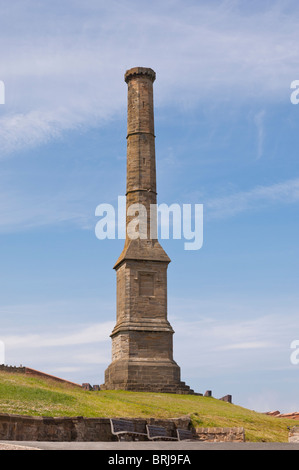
{"x": 185, "y": 434}
{"x": 124, "y": 430}
{"x": 158, "y": 433}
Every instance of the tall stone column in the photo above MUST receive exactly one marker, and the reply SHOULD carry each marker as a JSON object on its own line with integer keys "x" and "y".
{"x": 142, "y": 346}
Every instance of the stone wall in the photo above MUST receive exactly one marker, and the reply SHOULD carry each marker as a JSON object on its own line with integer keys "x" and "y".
{"x": 216, "y": 434}
{"x": 294, "y": 434}
{"x": 227, "y": 398}
{"x": 13, "y": 369}
{"x": 80, "y": 429}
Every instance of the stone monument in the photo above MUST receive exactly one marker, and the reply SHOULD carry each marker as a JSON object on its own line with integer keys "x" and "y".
{"x": 142, "y": 339}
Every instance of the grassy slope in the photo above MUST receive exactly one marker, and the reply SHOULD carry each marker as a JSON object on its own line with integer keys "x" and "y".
{"x": 20, "y": 394}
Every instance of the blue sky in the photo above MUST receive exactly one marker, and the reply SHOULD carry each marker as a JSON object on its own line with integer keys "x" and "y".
{"x": 226, "y": 137}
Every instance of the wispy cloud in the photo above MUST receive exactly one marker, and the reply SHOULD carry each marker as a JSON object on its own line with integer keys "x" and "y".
{"x": 231, "y": 347}
{"x": 251, "y": 341}
{"x": 217, "y": 345}
{"x": 257, "y": 198}
{"x": 23, "y": 211}
{"x": 81, "y": 334}
{"x": 58, "y": 345}
{"x": 66, "y": 74}
{"x": 20, "y": 212}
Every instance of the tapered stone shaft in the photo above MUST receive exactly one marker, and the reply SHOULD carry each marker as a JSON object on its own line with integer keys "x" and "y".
{"x": 142, "y": 348}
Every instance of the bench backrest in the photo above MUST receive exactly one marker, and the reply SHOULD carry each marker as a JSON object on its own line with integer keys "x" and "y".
{"x": 184, "y": 434}
{"x": 155, "y": 431}
{"x": 121, "y": 425}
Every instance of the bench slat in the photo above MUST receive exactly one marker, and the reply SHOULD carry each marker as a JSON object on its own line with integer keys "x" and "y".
{"x": 122, "y": 428}
{"x": 184, "y": 434}
{"x": 158, "y": 432}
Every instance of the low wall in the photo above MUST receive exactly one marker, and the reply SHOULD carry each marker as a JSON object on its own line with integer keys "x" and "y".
{"x": 35, "y": 428}
{"x": 294, "y": 434}
{"x": 31, "y": 428}
{"x": 216, "y": 434}
{"x": 34, "y": 373}
{"x": 13, "y": 369}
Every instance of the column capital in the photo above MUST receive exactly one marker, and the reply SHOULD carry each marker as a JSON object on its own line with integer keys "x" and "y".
{"x": 140, "y": 71}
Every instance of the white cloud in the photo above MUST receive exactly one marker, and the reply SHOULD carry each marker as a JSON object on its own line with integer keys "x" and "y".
{"x": 65, "y": 348}
{"x": 232, "y": 336}
{"x": 286, "y": 192}
{"x": 81, "y": 334}
{"x": 67, "y": 71}
{"x": 18, "y": 130}
{"x": 247, "y": 345}
{"x": 214, "y": 341}
{"x": 20, "y": 212}
{"x": 226, "y": 340}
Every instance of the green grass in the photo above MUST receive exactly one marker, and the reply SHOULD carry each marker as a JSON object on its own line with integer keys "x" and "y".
{"x": 25, "y": 395}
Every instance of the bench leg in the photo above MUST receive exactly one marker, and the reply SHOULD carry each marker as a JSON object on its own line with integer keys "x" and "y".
{"x": 127, "y": 438}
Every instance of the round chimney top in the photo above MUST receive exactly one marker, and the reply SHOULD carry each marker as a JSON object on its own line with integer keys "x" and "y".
{"x": 140, "y": 71}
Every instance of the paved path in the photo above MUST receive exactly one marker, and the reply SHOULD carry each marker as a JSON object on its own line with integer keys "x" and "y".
{"x": 20, "y": 446}
{"x": 149, "y": 446}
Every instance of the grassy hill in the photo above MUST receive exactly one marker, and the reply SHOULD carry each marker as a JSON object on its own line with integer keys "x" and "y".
{"x": 25, "y": 395}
